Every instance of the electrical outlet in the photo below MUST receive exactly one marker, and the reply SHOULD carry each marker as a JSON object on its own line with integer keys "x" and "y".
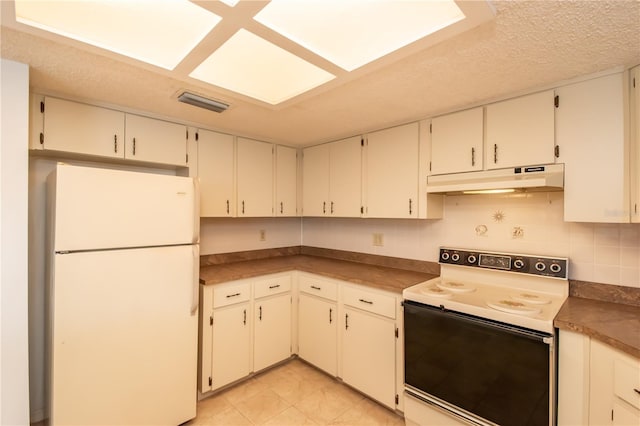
{"x": 378, "y": 239}
{"x": 263, "y": 235}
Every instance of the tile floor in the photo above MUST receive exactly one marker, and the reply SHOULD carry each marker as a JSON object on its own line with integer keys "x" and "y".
{"x": 294, "y": 393}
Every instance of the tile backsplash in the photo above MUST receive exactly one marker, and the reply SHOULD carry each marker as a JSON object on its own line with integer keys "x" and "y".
{"x": 526, "y": 223}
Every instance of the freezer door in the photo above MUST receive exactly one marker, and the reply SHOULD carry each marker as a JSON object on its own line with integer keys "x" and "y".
{"x": 95, "y": 208}
{"x": 124, "y": 337}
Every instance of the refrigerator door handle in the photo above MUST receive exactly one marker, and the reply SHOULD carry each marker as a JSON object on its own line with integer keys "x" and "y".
{"x": 195, "y": 295}
{"x": 196, "y": 210}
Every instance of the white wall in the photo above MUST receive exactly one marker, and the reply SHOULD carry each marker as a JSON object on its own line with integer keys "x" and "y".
{"x": 603, "y": 253}
{"x": 14, "y": 350}
{"x": 224, "y": 235}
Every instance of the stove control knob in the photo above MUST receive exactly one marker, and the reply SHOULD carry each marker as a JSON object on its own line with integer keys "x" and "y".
{"x": 540, "y": 266}
{"x": 518, "y": 263}
{"x": 455, "y": 257}
{"x": 472, "y": 259}
{"x": 445, "y": 256}
{"x": 555, "y": 267}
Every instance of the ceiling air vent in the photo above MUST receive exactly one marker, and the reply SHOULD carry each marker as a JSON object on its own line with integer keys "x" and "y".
{"x": 202, "y": 102}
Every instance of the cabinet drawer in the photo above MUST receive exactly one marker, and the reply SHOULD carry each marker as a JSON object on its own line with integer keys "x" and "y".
{"x": 275, "y": 285}
{"x": 369, "y": 301}
{"x": 318, "y": 287}
{"x": 230, "y": 294}
{"x": 626, "y": 380}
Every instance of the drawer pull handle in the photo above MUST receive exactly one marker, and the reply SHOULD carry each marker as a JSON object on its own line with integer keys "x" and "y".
{"x": 274, "y": 286}
{"x": 232, "y": 295}
{"x": 637, "y": 391}
{"x": 315, "y": 288}
{"x": 368, "y": 302}
{"x": 346, "y": 321}
{"x": 244, "y": 317}
{"x": 330, "y": 317}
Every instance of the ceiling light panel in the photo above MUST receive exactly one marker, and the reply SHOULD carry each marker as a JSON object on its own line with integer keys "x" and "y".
{"x": 254, "y": 67}
{"x": 158, "y": 32}
{"x": 352, "y": 33}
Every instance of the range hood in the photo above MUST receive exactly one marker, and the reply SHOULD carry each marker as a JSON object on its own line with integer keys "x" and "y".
{"x": 546, "y": 177}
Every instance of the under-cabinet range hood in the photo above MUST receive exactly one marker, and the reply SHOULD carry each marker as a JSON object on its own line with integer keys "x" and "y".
{"x": 546, "y": 177}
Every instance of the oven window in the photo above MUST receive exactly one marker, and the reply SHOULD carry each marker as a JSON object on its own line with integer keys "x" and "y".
{"x": 500, "y": 375}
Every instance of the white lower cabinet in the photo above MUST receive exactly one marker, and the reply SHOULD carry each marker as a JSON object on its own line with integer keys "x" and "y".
{"x": 231, "y": 354}
{"x": 272, "y": 322}
{"x": 318, "y": 323}
{"x": 597, "y": 384}
{"x": 347, "y": 330}
{"x": 245, "y": 326}
{"x": 369, "y": 343}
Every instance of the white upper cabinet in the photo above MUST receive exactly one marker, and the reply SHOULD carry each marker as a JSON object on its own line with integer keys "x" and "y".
{"x": 286, "y": 181}
{"x": 217, "y": 174}
{"x": 315, "y": 180}
{"x": 392, "y": 162}
{"x": 634, "y": 121}
{"x": 332, "y": 179}
{"x": 67, "y": 126}
{"x": 345, "y": 177}
{"x": 590, "y": 133}
{"x": 78, "y": 128}
{"x": 254, "y": 176}
{"x": 520, "y": 131}
{"x": 155, "y": 141}
{"x": 456, "y": 142}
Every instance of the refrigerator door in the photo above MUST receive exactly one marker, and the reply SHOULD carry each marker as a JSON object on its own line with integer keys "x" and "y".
{"x": 97, "y": 208}
{"x": 124, "y": 337}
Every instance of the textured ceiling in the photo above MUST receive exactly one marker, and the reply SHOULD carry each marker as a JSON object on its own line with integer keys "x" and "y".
{"x": 529, "y": 44}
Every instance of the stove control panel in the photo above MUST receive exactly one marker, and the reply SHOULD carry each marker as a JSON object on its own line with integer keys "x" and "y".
{"x": 526, "y": 264}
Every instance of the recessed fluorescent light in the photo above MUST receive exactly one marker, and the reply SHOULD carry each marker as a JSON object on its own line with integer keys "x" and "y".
{"x": 230, "y": 3}
{"x": 351, "y": 33}
{"x": 254, "y": 67}
{"x": 159, "y": 32}
{"x": 490, "y": 191}
{"x": 202, "y": 102}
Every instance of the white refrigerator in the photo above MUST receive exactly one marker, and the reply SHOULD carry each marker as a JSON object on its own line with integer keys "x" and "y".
{"x": 123, "y": 291}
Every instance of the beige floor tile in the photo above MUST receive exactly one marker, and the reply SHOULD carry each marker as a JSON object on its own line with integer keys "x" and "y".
{"x": 228, "y": 417}
{"x": 245, "y": 390}
{"x": 291, "y": 417}
{"x": 368, "y": 413}
{"x": 328, "y": 403}
{"x": 213, "y": 405}
{"x": 262, "y": 406}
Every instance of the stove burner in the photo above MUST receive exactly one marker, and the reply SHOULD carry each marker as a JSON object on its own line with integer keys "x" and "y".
{"x": 436, "y": 292}
{"x": 456, "y": 287}
{"x": 534, "y": 299}
{"x": 514, "y": 307}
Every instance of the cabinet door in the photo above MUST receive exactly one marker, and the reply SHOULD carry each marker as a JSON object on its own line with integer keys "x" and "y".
{"x": 591, "y": 138}
{"x": 317, "y": 333}
{"x": 286, "y": 181}
{"x": 205, "y": 338}
{"x": 255, "y": 178}
{"x": 82, "y": 129}
{"x": 634, "y": 122}
{"x": 231, "y": 359}
{"x": 315, "y": 180}
{"x": 345, "y": 177}
{"x": 456, "y": 142}
{"x": 368, "y": 355}
{"x": 520, "y": 131}
{"x": 216, "y": 172}
{"x": 392, "y": 172}
{"x": 155, "y": 141}
{"x": 272, "y": 337}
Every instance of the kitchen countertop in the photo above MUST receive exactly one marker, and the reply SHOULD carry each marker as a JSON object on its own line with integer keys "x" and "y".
{"x": 381, "y": 277}
{"x": 615, "y": 324}
{"x": 596, "y": 313}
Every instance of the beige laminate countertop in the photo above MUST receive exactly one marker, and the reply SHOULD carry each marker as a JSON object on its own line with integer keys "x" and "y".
{"x": 615, "y": 324}
{"x": 384, "y": 278}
